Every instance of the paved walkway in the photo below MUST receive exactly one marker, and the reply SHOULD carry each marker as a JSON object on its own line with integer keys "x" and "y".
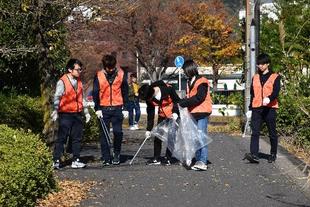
{"x": 228, "y": 182}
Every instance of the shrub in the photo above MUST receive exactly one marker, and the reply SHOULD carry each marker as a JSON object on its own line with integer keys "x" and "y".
{"x": 292, "y": 121}
{"x": 25, "y": 168}
{"x": 91, "y": 129}
{"x": 21, "y": 111}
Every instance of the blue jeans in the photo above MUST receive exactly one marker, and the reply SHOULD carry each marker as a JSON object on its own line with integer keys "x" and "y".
{"x": 202, "y": 153}
{"x": 134, "y": 106}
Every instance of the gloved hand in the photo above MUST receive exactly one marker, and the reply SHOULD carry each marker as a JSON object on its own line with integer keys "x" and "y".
{"x": 90, "y": 104}
{"x": 249, "y": 114}
{"x": 266, "y": 101}
{"x": 54, "y": 115}
{"x": 147, "y": 134}
{"x": 87, "y": 117}
{"x": 125, "y": 114}
{"x": 99, "y": 114}
{"x": 175, "y": 116}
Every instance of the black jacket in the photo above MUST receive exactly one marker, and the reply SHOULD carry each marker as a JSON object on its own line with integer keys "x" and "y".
{"x": 193, "y": 101}
{"x": 110, "y": 78}
{"x": 165, "y": 93}
{"x": 276, "y": 87}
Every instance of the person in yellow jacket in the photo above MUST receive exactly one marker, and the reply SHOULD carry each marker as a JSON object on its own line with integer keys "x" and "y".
{"x": 69, "y": 102}
{"x": 265, "y": 90}
{"x": 133, "y": 103}
{"x": 199, "y": 104}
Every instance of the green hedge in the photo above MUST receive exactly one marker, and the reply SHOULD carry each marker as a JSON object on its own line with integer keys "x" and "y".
{"x": 293, "y": 122}
{"x": 21, "y": 111}
{"x": 26, "y": 172}
{"x": 91, "y": 129}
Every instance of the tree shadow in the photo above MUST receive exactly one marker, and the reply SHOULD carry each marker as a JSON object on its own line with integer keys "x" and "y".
{"x": 286, "y": 202}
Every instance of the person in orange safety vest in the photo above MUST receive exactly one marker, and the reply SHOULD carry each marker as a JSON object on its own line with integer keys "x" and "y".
{"x": 199, "y": 104}
{"x": 68, "y": 105}
{"x": 110, "y": 95}
{"x": 265, "y": 90}
{"x": 165, "y": 97}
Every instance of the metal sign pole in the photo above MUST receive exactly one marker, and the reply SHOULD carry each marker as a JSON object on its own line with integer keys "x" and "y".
{"x": 178, "y": 62}
{"x": 180, "y": 79}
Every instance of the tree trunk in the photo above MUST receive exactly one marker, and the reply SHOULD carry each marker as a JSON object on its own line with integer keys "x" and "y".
{"x": 46, "y": 71}
{"x": 215, "y": 78}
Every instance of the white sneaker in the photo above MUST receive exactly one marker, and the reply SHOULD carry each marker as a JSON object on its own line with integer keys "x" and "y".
{"x": 199, "y": 165}
{"x": 132, "y": 127}
{"x": 77, "y": 164}
{"x": 136, "y": 126}
{"x": 56, "y": 165}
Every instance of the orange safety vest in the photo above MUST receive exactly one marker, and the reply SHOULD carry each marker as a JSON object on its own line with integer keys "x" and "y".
{"x": 110, "y": 95}
{"x": 260, "y": 92}
{"x": 72, "y": 100}
{"x": 165, "y": 109}
{"x": 206, "y": 105}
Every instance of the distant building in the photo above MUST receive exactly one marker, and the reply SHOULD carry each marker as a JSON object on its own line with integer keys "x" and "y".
{"x": 230, "y": 77}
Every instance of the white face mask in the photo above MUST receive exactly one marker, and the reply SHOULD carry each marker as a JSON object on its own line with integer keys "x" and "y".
{"x": 158, "y": 95}
{"x": 192, "y": 80}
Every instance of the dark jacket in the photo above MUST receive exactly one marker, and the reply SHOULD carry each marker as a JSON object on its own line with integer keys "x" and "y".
{"x": 197, "y": 99}
{"x": 165, "y": 93}
{"x": 110, "y": 78}
{"x": 276, "y": 88}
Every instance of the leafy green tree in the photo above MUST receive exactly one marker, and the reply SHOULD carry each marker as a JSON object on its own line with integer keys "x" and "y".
{"x": 32, "y": 39}
{"x": 32, "y": 46}
{"x": 286, "y": 39}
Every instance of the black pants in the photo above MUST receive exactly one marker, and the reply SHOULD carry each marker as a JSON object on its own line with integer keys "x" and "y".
{"x": 267, "y": 115}
{"x": 158, "y": 144}
{"x": 114, "y": 116}
{"x": 70, "y": 124}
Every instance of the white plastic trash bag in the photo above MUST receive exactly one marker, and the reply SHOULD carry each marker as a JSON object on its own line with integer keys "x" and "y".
{"x": 183, "y": 138}
{"x": 166, "y": 132}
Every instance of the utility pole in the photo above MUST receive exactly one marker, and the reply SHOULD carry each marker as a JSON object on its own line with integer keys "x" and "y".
{"x": 257, "y": 24}
{"x": 252, "y": 45}
{"x": 247, "y": 55}
{"x": 252, "y": 48}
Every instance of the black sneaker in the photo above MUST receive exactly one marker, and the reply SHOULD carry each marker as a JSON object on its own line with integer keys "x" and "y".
{"x": 251, "y": 158}
{"x": 166, "y": 161}
{"x": 116, "y": 159}
{"x": 153, "y": 162}
{"x": 105, "y": 163}
{"x": 272, "y": 158}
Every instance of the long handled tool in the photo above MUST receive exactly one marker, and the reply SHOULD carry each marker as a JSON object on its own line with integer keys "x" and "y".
{"x": 146, "y": 138}
{"x": 106, "y": 132}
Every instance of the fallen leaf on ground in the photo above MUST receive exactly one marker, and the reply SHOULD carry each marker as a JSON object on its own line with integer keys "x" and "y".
{"x": 70, "y": 194}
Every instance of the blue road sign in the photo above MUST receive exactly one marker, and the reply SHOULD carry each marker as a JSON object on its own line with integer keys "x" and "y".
{"x": 179, "y": 61}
